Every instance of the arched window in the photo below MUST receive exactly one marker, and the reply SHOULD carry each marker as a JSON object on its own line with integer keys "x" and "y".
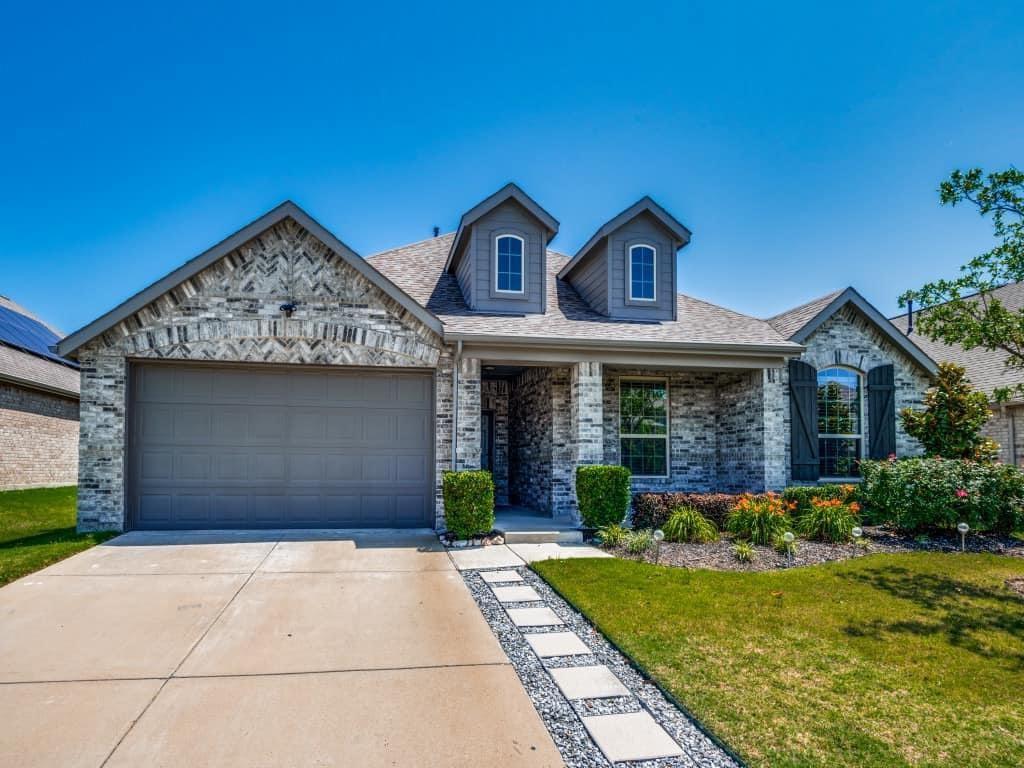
{"x": 840, "y": 422}
{"x": 642, "y": 269}
{"x": 508, "y": 258}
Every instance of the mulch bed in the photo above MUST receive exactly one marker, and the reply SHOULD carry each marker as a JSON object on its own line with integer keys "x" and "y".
{"x": 718, "y": 556}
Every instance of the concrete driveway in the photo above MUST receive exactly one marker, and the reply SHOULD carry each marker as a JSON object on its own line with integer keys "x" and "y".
{"x": 277, "y": 649}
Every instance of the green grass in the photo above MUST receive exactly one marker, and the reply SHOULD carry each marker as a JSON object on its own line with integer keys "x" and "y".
{"x": 37, "y": 528}
{"x": 885, "y": 660}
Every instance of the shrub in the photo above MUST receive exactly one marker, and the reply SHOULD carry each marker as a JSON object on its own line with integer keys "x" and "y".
{"x": 689, "y": 525}
{"x": 829, "y": 520}
{"x": 652, "y": 510}
{"x": 921, "y": 494}
{"x": 759, "y": 518}
{"x": 468, "y": 502}
{"x": 799, "y": 497}
{"x": 743, "y": 551}
{"x": 638, "y": 542}
{"x": 602, "y": 493}
{"x": 612, "y": 535}
{"x": 954, "y": 414}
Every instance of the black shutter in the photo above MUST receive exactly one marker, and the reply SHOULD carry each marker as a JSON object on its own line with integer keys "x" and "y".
{"x": 803, "y": 416}
{"x": 881, "y": 412}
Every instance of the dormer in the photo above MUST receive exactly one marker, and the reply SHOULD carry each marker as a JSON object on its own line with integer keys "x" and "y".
{"x": 499, "y": 254}
{"x": 627, "y": 269}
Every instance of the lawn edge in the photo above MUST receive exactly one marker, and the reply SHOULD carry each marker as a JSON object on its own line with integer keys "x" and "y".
{"x": 640, "y": 670}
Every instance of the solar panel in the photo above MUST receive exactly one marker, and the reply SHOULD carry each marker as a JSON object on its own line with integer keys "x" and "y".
{"x": 16, "y": 330}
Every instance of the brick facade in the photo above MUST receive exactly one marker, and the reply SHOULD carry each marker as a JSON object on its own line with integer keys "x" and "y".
{"x": 1005, "y": 426}
{"x": 38, "y": 438}
{"x": 230, "y": 312}
{"x": 494, "y": 397}
{"x": 848, "y": 339}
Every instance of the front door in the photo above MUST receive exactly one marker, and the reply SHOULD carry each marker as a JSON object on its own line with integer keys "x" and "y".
{"x": 487, "y": 440}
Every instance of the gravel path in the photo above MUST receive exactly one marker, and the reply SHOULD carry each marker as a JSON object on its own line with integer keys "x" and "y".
{"x": 718, "y": 555}
{"x": 561, "y": 716}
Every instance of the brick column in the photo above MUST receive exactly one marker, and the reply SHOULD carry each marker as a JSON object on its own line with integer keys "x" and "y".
{"x": 776, "y": 458}
{"x": 587, "y": 413}
{"x": 102, "y": 438}
{"x": 467, "y": 447}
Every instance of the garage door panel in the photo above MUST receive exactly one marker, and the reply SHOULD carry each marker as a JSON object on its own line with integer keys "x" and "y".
{"x": 248, "y": 447}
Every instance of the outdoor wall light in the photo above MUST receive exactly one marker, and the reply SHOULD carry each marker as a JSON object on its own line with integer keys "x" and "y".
{"x": 963, "y": 528}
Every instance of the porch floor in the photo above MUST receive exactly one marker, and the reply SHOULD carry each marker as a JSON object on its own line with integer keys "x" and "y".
{"x": 525, "y": 525}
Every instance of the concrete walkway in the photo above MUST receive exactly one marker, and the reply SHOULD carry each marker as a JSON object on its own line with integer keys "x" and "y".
{"x": 266, "y": 649}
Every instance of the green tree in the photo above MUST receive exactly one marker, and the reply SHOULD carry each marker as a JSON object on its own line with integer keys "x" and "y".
{"x": 962, "y": 310}
{"x": 950, "y": 424}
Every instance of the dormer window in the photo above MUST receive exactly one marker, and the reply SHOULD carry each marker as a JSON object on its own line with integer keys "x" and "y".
{"x": 642, "y": 277}
{"x": 508, "y": 255}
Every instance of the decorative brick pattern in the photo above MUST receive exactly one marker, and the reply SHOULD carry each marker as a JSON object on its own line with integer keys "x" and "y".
{"x": 230, "y": 312}
{"x": 38, "y": 438}
{"x": 494, "y": 397}
{"x": 531, "y": 437}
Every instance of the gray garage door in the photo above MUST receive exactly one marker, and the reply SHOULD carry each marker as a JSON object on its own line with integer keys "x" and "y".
{"x": 269, "y": 447}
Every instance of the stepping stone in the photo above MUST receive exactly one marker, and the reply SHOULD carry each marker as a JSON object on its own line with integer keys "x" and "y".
{"x": 633, "y": 736}
{"x": 533, "y": 617}
{"x": 494, "y": 556}
{"x": 557, "y": 644}
{"x": 597, "y": 682}
{"x": 498, "y": 577}
{"x": 515, "y": 594}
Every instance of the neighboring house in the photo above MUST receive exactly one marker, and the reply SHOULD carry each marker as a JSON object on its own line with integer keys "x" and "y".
{"x": 279, "y": 379}
{"x": 987, "y": 371}
{"x": 38, "y": 403}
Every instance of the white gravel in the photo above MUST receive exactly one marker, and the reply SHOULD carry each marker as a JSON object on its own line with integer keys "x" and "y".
{"x": 561, "y": 716}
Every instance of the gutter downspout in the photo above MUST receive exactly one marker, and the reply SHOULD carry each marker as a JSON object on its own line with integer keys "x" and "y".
{"x": 455, "y": 406}
{"x": 1012, "y": 414}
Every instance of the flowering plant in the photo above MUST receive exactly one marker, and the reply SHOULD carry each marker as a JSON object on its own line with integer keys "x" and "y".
{"x": 761, "y": 518}
{"x": 830, "y": 520}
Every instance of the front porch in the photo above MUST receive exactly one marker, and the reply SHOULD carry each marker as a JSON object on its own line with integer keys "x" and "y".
{"x": 677, "y": 428}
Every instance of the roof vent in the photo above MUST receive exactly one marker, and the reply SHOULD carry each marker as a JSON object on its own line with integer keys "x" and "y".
{"x": 437, "y": 231}
{"x": 910, "y": 317}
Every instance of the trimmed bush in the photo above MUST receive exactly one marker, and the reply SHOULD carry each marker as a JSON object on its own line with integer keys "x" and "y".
{"x": 830, "y": 520}
{"x": 468, "y": 502}
{"x": 652, "y": 510}
{"x": 688, "y": 525}
{"x": 743, "y": 551}
{"x": 762, "y": 519}
{"x": 921, "y": 494}
{"x": 602, "y": 492}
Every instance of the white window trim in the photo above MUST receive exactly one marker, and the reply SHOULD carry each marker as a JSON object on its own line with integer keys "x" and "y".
{"x": 860, "y": 419}
{"x": 654, "y": 272}
{"x": 668, "y": 426}
{"x": 522, "y": 263}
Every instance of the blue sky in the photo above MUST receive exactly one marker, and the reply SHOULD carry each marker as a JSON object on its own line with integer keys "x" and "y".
{"x": 802, "y": 144}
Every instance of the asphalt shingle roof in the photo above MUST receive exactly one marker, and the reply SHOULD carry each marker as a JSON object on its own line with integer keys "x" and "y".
{"x": 792, "y": 320}
{"x": 418, "y": 269}
{"x": 985, "y": 368}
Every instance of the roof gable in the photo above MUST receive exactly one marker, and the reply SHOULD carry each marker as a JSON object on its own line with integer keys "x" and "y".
{"x": 195, "y": 265}
{"x": 510, "y": 191}
{"x": 800, "y": 322}
{"x": 644, "y": 204}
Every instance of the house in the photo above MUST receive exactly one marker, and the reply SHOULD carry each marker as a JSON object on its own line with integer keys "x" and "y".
{"x": 38, "y": 403}
{"x": 987, "y": 371}
{"x": 278, "y": 379}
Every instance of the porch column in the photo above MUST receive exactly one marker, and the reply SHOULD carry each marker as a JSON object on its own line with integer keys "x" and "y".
{"x": 774, "y": 388}
{"x": 467, "y": 403}
{"x": 587, "y": 413}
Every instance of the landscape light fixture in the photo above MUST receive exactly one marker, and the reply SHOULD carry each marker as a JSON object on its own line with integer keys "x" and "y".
{"x": 963, "y": 528}
{"x": 788, "y": 537}
{"x": 658, "y": 536}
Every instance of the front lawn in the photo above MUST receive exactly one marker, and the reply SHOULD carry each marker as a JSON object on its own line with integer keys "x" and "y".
{"x": 887, "y": 660}
{"x": 37, "y": 528}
